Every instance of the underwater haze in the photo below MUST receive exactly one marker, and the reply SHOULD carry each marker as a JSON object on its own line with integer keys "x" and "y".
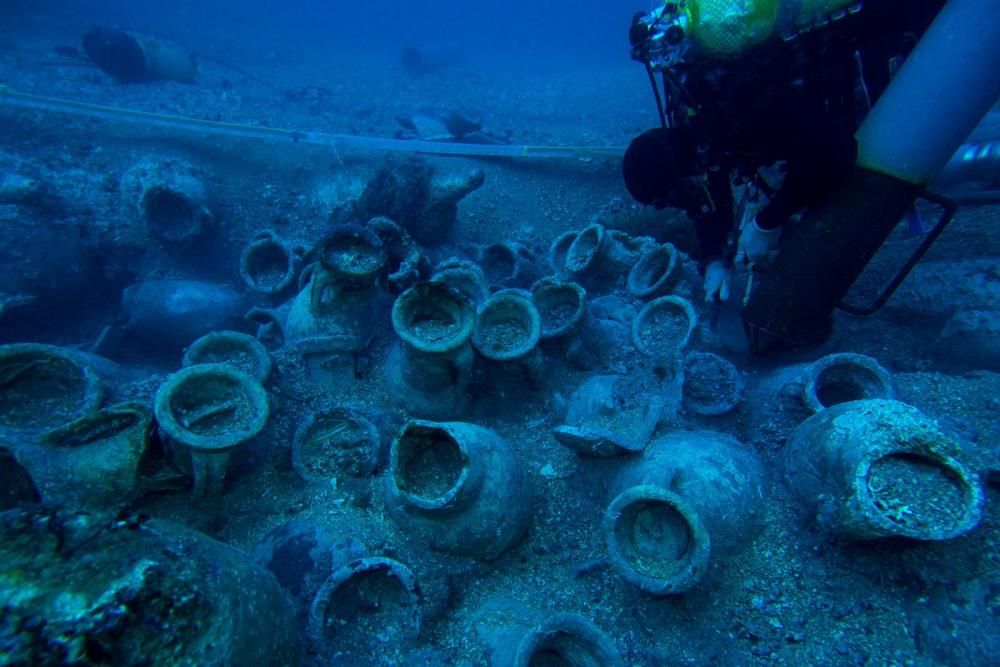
{"x": 517, "y": 32}
{"x": 427, "y": 335}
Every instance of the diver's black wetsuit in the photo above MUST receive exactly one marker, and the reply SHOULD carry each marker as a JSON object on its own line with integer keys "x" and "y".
{"x": 797, "y": 102}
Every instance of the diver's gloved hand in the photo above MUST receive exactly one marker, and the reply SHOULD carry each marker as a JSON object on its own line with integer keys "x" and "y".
{"x": 718, "y": 279}
{"x": 756, "y": 243}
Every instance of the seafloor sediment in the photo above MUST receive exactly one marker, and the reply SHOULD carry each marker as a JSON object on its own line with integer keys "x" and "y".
{"x": 72, "y": 239}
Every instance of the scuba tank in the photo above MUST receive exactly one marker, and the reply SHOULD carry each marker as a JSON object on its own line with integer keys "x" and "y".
{"x": 727, "y": 27}
{"x": 132, "y": 58}
{"x": 730, "y": 26}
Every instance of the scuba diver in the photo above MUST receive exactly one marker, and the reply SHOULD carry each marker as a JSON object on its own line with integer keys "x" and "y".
{"x": 745, "y": 86}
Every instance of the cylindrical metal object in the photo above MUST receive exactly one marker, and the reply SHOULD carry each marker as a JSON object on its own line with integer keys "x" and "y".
{"x": 973, "y": 162}
{"x": 946, "y": 85}
{"x": 727, "y": 27}
{"x": 131, "y": 58}
{"x": 944, "y": 88}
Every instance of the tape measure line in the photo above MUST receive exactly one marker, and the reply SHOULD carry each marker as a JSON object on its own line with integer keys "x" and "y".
{"x": 336, "y": 141}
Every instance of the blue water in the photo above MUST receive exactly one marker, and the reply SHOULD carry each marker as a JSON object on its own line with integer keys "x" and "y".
{"x": 535, "y": 32}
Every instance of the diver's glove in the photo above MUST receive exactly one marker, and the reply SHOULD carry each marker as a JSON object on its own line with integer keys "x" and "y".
{"x": 755, "y": 243}
{"x": 718, "y": 278}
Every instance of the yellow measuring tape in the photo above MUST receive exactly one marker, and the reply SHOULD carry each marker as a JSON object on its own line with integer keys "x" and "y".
{"x": 337, "y": 141}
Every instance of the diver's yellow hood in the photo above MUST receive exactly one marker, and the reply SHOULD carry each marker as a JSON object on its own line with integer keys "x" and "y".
{"x": 729, "y": 26}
